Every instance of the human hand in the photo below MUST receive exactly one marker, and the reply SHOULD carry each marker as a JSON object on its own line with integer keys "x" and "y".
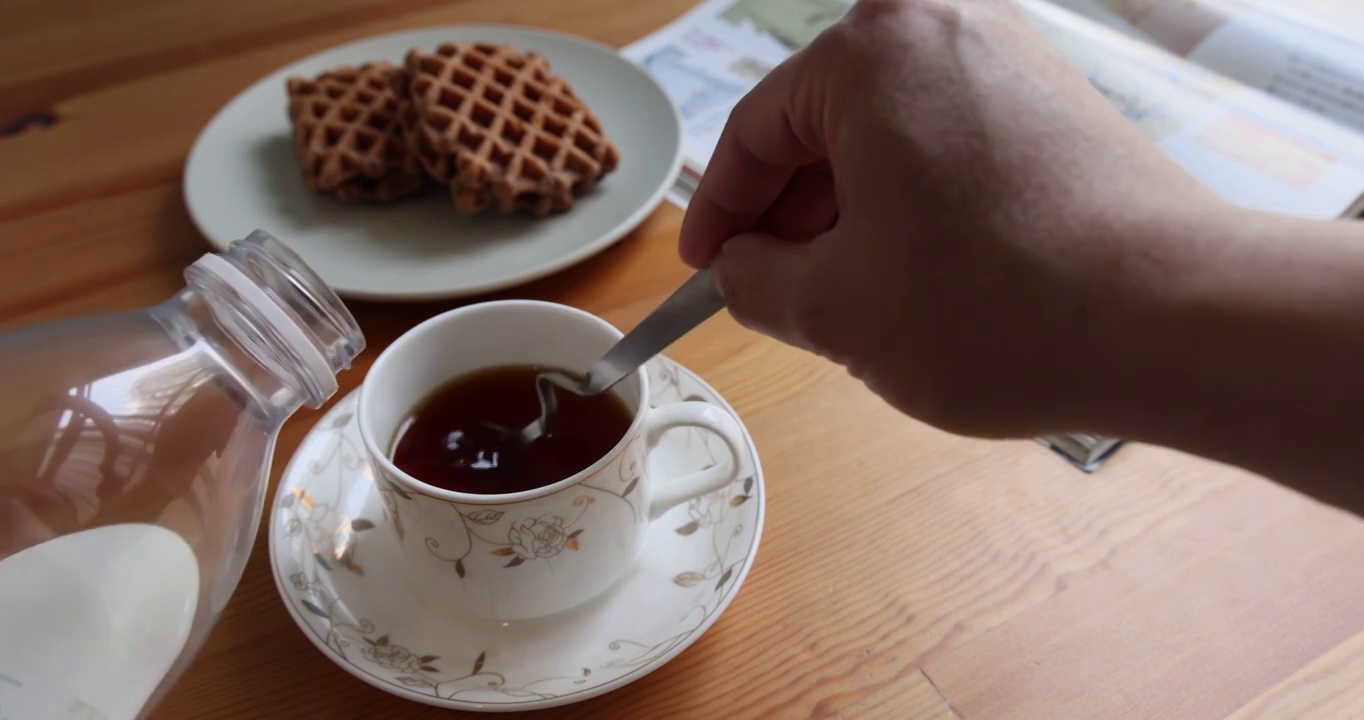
{"x": 931, "y": 196}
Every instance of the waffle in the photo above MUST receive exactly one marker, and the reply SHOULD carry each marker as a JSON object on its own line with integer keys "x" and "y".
{"x": 502, "y": 131}
{"x": 348, "y": 136}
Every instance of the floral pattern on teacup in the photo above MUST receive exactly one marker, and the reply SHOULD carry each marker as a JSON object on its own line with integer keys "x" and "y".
{"x": 541, "y": 537}
{"x": 526, "y": 540}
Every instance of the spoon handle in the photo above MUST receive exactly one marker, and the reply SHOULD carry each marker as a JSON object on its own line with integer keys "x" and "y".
{"x": 687, "y": 307}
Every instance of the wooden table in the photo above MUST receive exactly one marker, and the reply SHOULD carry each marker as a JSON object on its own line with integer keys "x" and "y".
{"x": 904, "y": 573}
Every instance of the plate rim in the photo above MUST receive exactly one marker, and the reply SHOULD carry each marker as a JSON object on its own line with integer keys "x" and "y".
{"x": 741, "y": 575}
{"x": 622, "y": 228}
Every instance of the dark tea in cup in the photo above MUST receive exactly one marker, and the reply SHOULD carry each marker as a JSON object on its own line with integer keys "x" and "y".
{"x": 446, "y": 441}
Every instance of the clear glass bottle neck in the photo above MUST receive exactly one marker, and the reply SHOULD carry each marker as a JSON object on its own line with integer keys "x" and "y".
{"x": 270, "y": 320}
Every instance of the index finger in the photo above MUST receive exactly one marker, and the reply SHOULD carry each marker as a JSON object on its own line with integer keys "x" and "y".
{"x": 756, "y": 156}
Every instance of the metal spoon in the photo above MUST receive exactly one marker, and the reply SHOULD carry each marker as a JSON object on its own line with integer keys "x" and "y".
{"x": 690, "y": 305}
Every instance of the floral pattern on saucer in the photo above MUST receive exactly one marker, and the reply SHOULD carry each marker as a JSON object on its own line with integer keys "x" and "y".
{"x": 329, "y": 558}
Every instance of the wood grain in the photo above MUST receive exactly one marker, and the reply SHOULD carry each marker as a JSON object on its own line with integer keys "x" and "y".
{"x": 1193, "y": 609}
{"x": 904, "y": 573}
{"x": 1327, "y": 687}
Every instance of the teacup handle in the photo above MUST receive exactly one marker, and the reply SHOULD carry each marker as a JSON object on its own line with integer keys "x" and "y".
{"x": 673, "y": 491}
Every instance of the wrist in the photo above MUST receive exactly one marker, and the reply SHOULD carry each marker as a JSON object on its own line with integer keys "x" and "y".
{"x": 1245, "y": 348}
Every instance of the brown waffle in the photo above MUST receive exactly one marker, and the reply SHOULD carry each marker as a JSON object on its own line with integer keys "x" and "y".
{"x": 502, "y": 131}
{"x": 348, "y": 136}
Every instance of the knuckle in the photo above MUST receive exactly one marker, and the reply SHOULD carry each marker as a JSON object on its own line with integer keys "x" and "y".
{"x": 729, "y": 287}
{"x": 872, "y": 10}
{"x": 741, "y": 298}
{"x": 814, "y": 317}
{"x": 921, "y": 18}
{"x": 895, "y": 11}
{"x": 808, "y": 313}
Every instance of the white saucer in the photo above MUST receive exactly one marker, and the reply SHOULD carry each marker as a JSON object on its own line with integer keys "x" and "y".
{"x": 335, "y": 566}
{"x": 241, "y": 175}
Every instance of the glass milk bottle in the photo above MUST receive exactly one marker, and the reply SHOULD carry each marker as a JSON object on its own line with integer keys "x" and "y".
{"x": 135, "y": 452}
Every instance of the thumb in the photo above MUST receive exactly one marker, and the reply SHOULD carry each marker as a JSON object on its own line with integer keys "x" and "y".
{"x": 764, "y": 281}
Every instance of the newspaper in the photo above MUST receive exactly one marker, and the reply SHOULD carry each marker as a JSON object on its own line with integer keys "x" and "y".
{"x": 713, "y": 55}
{"x": 1248, "y": 146}
{"x": 1260, "y": 100}
{"x": 1309, "y": 53}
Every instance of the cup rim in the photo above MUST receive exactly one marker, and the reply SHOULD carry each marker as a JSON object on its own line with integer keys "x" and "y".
{"x": 379, "y": 457}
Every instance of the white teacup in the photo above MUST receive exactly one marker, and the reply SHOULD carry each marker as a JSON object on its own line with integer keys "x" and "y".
{"x": 538, "y": 552}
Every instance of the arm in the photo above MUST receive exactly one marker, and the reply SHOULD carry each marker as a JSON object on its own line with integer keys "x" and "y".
{"x": 930, "y": 196}
{"x": 1251, "y": 352}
